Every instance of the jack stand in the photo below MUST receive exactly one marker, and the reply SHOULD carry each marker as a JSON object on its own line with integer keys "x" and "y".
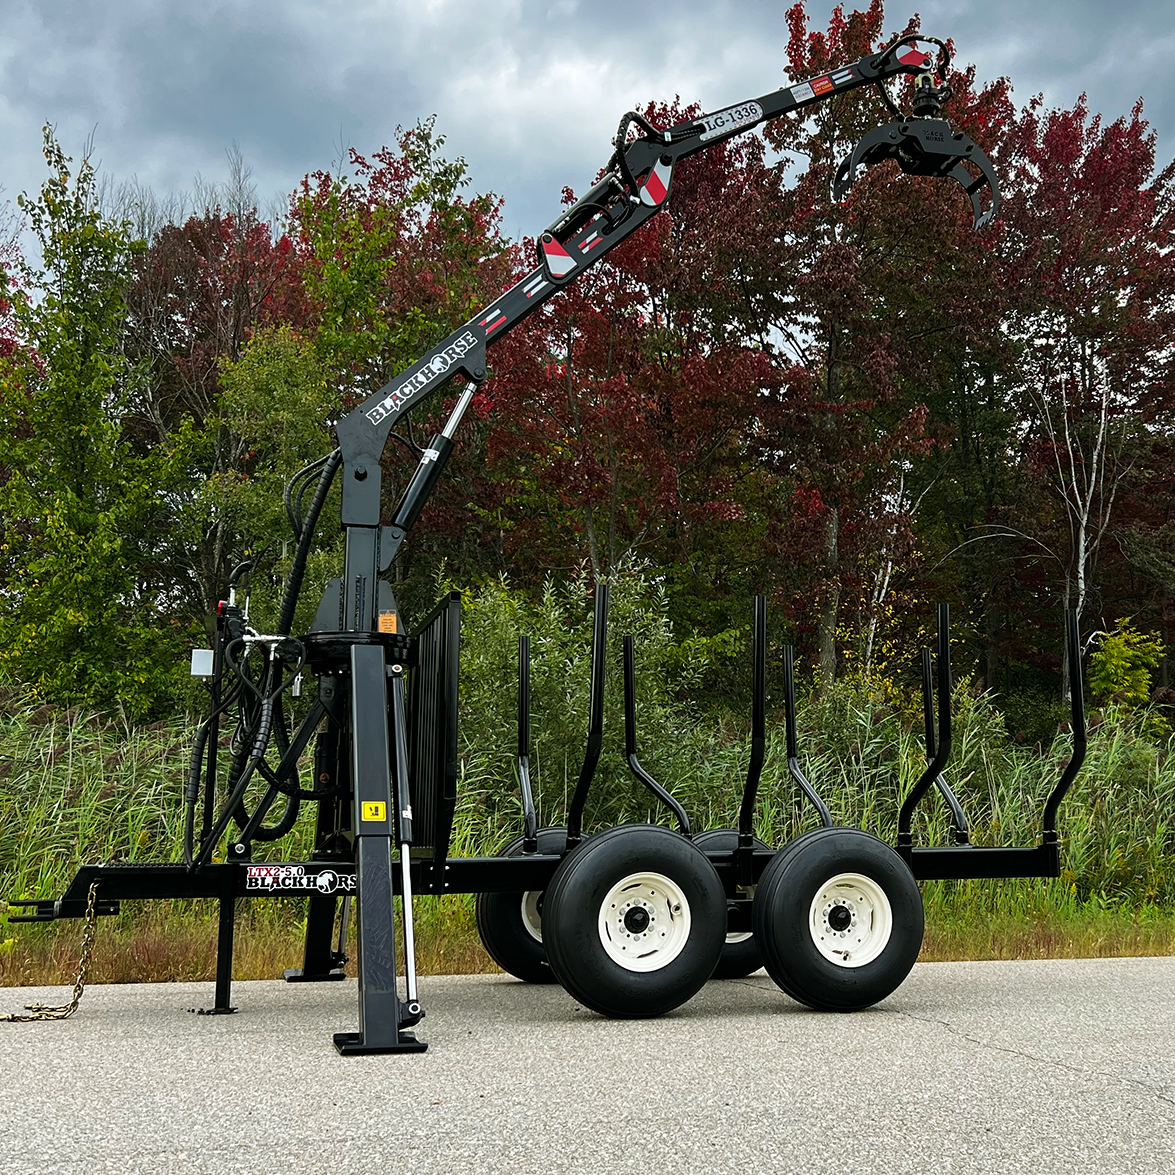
{"x": 321, "y": 963}
{"x": 224, "y": 959}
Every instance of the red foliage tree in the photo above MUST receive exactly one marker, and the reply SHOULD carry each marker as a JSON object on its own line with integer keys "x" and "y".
{"x": 868, "y": 304}
{"x": 1089, "y": 256}
{"x": 394, "y": 256}
{"x": 620, "y": 412}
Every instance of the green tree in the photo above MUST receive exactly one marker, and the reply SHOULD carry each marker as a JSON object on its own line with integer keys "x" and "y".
{"x": 277, "y": 402}
{"x": 393, "y": 257}
{"x": 1122, "y": 664}
{"x": 75, "y": 507}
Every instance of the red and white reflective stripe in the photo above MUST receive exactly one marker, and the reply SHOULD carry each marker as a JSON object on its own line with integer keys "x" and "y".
{"x": 656, "y": 185}
{"x": 493, "y": 320}
{"x": 559, "y": 262}
{"x": 912, "y": 55}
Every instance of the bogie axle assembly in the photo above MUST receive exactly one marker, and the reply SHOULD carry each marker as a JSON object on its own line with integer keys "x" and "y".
{"x": 632, "y": 920}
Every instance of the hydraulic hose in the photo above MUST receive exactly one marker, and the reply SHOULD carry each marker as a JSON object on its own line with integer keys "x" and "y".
{"x": 261, "y": 734}
{"x": 302, "y": 551}
{"x": 293, "y": 497}
{"x": 196, "y": 771}
{"x": 267, "y": 720}
{"x": 260, "y": 742}
{"x": 250, "y": 826}
{"x": 293, "y": 802}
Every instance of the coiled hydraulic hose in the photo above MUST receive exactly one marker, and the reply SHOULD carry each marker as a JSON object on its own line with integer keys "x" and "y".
{"x": 302, "y": 551}
{"x": 260, "y": 734}
{"x": 196, "y": 771}
{"x": 262, "y": 714}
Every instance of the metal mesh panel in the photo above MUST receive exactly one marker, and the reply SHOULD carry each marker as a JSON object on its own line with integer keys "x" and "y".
{"x": 432, "y": 729}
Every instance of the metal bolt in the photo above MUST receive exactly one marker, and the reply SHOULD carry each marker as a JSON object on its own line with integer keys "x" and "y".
{"x": 360, "y": 472}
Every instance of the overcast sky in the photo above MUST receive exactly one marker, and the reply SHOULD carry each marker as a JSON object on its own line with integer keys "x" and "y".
{"x": 529, "y": 93}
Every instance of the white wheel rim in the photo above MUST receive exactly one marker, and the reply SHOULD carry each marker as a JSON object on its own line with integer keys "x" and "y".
{"x": 644, "y": 922}
{"x": 850, "y": 920}
{"x": 733, "y": 936}
{"x": 532, "y": 920}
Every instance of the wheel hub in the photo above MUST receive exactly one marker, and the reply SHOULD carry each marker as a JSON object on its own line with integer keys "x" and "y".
{"x": 850, "y": 920}
{"x": 644, "y": 922}
{"x": 840, "y": 918}
{"x": 637, "y": 919}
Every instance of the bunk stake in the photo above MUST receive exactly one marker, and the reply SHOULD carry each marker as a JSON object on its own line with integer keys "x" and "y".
{"x": 595, "y": 739}
{"x": 630, "y": 742}
{"x": 935, "y": 767}
{"x": 962, "y": 834}
{"x": 530, "y": 843}
{"x": 746, "y": 815}
{"x": 793, "y": 753}
{"x": 963, "y": 860}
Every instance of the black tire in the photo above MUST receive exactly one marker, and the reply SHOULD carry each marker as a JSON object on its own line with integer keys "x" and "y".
{"x": 510, "y": 924}
{"x": 642, "y": 889}
{"x": 785, "y": 853}
{"x": 740, "y": 953}
{"x": 809, "y": 929}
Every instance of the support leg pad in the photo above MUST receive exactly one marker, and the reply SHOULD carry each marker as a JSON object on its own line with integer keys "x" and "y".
{"x": 350, "y": 1044}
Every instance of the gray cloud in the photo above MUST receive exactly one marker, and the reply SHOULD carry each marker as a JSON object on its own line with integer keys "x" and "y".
{"x": 528, "y": 92}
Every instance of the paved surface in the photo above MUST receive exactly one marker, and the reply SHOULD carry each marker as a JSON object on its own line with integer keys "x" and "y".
{"x": 970, "y": 1067}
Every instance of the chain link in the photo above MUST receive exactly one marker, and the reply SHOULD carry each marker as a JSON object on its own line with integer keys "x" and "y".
{"x": 44, "y": 1012}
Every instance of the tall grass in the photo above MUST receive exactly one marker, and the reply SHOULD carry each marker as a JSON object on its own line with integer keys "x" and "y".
{"x": 77, "y": 787}
{"x": 861, "y": 750}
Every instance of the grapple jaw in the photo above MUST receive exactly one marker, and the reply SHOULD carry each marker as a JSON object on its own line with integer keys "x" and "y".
{"x": 925, "y": 146}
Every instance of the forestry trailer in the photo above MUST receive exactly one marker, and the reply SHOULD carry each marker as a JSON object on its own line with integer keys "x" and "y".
{"x": 632, "y": 920}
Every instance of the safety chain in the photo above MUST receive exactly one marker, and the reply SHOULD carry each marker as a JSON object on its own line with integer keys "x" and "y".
{"x": 42, "y": 1011}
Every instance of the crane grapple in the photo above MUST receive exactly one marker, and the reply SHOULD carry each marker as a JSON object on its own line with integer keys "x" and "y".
{"x": 924, "y": 144}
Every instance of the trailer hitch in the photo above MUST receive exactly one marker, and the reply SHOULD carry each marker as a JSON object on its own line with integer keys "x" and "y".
{"x": 924, "y": 144}
{"x": 49, "y": 910}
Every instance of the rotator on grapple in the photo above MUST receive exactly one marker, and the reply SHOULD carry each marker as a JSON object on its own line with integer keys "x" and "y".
{"x": 636, "y": 919}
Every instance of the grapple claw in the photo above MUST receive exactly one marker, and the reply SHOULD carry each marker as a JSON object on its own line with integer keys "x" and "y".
{"x": 973, "y": 187}
{"x": 925, "y": 146}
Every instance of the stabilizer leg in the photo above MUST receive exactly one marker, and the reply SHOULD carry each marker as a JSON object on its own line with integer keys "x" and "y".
{"x": 221, "y": 1005}
{"x": 321, "y": 962}
{"x": 381, "y": 1017}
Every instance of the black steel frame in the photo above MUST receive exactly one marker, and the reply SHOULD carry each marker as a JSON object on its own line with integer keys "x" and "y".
{"x": 425, "y": 721}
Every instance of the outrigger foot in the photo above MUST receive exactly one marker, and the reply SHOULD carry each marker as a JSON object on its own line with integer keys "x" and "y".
{"x": 351, "y": 1044}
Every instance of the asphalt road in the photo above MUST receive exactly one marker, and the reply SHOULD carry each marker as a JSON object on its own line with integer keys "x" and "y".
{"x": 969, "y": 1067}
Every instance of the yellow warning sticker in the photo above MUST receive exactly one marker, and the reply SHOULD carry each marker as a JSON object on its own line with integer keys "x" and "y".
{"x": 375, "y": 811}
